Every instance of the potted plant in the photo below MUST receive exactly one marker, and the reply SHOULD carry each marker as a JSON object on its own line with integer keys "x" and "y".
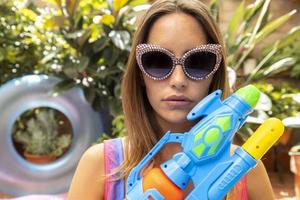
{"x": 40, "y": 136}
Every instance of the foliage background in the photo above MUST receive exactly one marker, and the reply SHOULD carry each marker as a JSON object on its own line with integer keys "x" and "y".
{"x": 86, "y": 43}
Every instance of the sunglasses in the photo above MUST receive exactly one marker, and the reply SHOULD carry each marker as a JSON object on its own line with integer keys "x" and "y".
{"x": 198, "y": 63}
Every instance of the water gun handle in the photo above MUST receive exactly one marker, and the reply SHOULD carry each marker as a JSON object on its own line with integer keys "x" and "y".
{"x": 133, "y": 180}
{"x": 157, "y": 179}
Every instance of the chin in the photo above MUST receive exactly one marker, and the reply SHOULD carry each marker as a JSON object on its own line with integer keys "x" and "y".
{"x": 175, "y": 116}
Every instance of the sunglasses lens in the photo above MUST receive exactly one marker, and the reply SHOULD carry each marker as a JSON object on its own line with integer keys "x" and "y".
{"x": 200, "y": 64}
{"x": 157, "y": 64}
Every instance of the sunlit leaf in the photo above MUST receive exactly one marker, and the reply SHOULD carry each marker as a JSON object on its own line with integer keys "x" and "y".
{"x": 272, "y": 26}
{"x": 95, "y": 32}
{"x": 290, "y": 38}
{"x": 54, "y": 22}
{"x": 263, "y": 62}
{"x": 108, "y": 20}
{"x": 279, "y": 66}
{"x": 29, "y": 13}
{"x": 137, "y": 2}
{"x": 118, "y": 4}
{"x": 235, "y": 22}
{"x": 253, "y": 9}
{"x": 48, "y": 57}
{"x": 264, "y": 11}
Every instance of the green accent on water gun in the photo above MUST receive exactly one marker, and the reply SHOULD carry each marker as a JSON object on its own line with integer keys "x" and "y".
{"x": 250, "y": 94}
{"x": 224, "y": 123}
{"x": 213, "y": 149}
{"x": 212, "y": 136}
{"x": 199, "y": 149}
{"x": 199, "y": 134}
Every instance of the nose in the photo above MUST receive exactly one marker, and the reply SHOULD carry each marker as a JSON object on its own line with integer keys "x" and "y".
{"x": 178, "y": 79}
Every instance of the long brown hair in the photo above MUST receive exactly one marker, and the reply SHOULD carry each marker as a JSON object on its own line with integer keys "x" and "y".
{"x": 141, "y": 129}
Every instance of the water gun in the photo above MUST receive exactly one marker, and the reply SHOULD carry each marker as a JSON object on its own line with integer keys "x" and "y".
{"x": 205, "y": 157}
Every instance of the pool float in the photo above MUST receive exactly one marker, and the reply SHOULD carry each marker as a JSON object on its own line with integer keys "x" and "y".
{"x": 19, "y": 177}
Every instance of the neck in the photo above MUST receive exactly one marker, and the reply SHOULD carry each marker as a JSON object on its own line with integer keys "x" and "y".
{"x": 163, "y": 126}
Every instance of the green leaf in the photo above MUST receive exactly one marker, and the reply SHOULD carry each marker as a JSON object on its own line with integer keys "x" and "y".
{"x": 263, "y": 13}
{"x": 118, "y": 4}
{"x": 83, "y": 63}
{"x": 117, "y": 90}
{"x": 290, "y": 38}
{"x": 100, "y": 44}
{"x": 235, "y": 22}
{"x": 48, "y": 57}
{"x": 279, "y": 66}
{"x": 54, "y": 22}
{"x": 62, "y": 86}
{"x": 262, "y": 62}
{"x": 137, "y": 2}
{"x": 106, "y": 73}
{"x": 252, "y": 10}
{"x": 121, "y": 39}
{"x": 108, "y": 19}
{"x": 214, "y": 9}
{"x": 272, "y": 26}
{"x": 29, "y": 14}
{"x": 2, "y": 57}
{"x": 90, "y": 94}
{"x": 69, "y": 70}
{"x": 295, "y": 71}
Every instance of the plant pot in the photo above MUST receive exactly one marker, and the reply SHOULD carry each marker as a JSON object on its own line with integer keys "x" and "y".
{"x": 295, "y": 167}
{"x": 39, "y": 159}
{"x": 285, "y": 137}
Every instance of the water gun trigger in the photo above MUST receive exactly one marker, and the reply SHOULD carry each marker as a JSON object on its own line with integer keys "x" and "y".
{"x": 206, "y": 106}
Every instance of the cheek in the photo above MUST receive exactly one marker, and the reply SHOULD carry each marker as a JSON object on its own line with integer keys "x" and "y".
{"x": 201, "y": 88}
{"x": 152, "y": 89}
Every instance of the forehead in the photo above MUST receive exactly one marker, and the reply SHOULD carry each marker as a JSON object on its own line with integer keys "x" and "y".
{"x": 177, "y": 32}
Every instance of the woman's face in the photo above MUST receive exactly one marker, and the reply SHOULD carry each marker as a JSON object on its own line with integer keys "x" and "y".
{"x": 174, "y": 97}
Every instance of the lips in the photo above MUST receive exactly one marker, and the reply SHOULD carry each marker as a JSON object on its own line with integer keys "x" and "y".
{"x": 177, "y": 102}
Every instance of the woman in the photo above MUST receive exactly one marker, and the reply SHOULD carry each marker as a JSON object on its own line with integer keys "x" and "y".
{"x": 177, "y": 59}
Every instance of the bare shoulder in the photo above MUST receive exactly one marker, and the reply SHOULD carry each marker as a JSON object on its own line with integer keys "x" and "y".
{"x": 263, "y": 190}
{"x": 88, "y": 180}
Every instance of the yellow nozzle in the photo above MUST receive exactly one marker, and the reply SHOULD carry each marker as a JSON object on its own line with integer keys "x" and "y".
{"x": 263, "y": 138}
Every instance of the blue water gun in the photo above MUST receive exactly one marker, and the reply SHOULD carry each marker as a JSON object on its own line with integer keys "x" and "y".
{"x": 205, "y": 157}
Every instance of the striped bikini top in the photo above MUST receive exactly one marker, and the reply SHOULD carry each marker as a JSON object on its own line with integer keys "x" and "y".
{"x": 115, "y": 190}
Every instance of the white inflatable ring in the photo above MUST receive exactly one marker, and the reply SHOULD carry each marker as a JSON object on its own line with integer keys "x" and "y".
{"x": 20, "y": 177}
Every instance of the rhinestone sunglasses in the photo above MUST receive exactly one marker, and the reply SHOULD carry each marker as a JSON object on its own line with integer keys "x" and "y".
{"x": 198, "y": 63}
